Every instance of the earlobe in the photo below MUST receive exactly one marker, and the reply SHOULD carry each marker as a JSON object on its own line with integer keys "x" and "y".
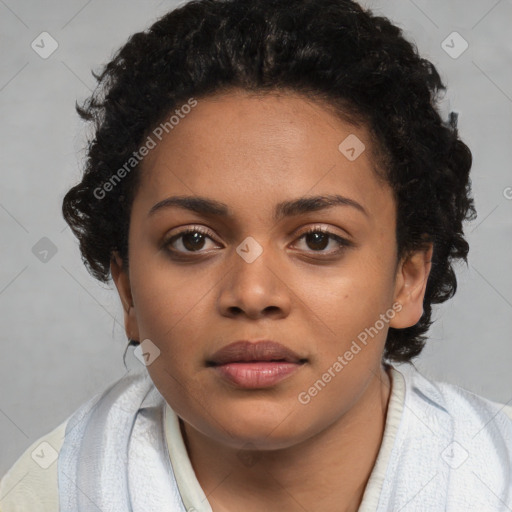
{"x": 411, "y": 284}
{"x": 122, "y": 282}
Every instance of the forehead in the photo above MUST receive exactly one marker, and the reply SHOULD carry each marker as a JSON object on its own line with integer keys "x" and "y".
{"x": 258, "y": 149}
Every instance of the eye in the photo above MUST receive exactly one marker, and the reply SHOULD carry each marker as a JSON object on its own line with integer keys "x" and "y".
{"x": 191, "y": 240}
{"x": 318, "y": 238}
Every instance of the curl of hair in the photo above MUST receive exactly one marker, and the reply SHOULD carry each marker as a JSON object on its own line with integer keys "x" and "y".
{"x": 355, "y": 62}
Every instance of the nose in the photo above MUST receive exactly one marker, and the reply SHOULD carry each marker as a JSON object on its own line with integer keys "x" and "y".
{"x": 255, "y": 288}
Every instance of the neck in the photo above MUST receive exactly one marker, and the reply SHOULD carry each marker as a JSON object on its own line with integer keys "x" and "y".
{"x": 327, "y": 470}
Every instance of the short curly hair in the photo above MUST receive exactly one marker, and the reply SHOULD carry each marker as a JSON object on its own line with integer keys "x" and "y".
{"x": 333, "y": 50}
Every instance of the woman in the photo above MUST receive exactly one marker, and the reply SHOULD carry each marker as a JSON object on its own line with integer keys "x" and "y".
{"x": 279, "y": 204}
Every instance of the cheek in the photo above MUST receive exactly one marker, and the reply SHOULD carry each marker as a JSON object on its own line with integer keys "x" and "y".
{"x": 171, "y": 308}
{"x": 353, "y": 296}
{"x": 163, "y": 291}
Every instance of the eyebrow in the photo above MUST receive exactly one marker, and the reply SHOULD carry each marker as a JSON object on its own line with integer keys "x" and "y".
{"x": 301, "y": 205}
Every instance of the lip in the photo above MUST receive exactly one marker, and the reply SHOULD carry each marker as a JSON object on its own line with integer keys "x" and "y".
{"x": 256, "y": 364}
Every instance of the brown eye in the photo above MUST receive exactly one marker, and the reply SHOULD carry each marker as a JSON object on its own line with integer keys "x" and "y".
{"x": 318, "y": 239}
{"x": 188, "y": 241}
{"x": 193, "y": 241}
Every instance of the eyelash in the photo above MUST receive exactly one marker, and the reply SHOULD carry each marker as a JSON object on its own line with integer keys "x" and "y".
{"x": 344, "y": 244}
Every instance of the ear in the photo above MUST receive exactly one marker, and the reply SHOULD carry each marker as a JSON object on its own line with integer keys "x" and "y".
{"x": 410, "y": 286}
{"x": 122, "y": 282}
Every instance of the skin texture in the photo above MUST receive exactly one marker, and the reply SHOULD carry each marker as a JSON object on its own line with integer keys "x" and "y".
{"x": 261, "y": 449}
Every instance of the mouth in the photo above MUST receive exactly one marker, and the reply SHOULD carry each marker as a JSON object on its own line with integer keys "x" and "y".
{"x": 254, "y": 365}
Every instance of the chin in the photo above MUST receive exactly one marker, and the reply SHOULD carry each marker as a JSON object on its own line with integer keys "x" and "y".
{"x": 263, "y": 427}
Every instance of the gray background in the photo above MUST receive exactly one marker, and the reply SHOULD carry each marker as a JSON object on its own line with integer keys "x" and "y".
{"x": 62, "y": 335}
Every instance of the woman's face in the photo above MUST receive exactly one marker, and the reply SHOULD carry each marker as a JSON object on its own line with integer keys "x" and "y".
{"x": 254, "y": 273}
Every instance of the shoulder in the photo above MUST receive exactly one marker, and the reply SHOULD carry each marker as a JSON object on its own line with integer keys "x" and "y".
{"x": 460, "y": 440}
{"x": 32, "y": 482}
{"x": 449, "y": 396}
{"x": 467, "y": 415}
{"x": 507, "y": 409}
{"x": 459, "y": 400}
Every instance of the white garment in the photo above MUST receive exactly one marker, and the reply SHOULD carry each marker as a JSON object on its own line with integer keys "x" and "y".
{"x": 114, "y": 457}
{"x": 453, "y": 452}
{"x": 412, "y": 471}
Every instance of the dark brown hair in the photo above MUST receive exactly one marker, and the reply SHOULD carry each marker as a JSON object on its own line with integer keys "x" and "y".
{"x": 332, "y": 50}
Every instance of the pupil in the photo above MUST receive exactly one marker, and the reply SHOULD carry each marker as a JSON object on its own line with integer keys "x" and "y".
{"x": 195, "y": 236}
{"x": 323, "y": 238}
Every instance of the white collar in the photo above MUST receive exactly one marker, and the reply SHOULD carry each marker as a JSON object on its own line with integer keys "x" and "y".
{"x": 194, "y": 497}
